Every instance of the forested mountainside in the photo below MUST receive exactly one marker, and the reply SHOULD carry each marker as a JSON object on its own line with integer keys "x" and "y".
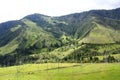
{"x": 39, "y": 37}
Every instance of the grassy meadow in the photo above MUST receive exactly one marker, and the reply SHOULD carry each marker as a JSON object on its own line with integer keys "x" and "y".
{"x": 65, "y": 71}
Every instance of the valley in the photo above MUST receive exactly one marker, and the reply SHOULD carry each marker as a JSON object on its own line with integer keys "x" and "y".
{"x": 78, "y": 46}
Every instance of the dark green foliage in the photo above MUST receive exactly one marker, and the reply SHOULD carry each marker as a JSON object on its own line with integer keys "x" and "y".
{"x": 9, "y": 36}
{"x": 90, "y": 52}
{"x": 39, "y": 19}
{"x": 4, "y": 27}
{"x": 110, "y": 59}
{"x": 16, "y": 59}
{"x": 37, "y": 34}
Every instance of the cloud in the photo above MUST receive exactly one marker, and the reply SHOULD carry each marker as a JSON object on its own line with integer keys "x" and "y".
{"x": 16, "y": 9}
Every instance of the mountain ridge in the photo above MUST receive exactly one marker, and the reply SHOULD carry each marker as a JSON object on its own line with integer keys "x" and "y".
{"x": 42, "y": 34}
{"x": 76, "y": 25}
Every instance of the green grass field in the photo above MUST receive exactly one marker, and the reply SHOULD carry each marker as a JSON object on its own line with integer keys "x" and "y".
{"x": 65, "y": 71}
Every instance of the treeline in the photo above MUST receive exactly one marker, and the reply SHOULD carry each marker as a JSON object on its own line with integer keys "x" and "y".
{"x": 88, "y": 53}
{"x": 23, "y": 58}
{"x": 10, "y": 60}
{"x": 91, "y": 59}
{"x": 91, "y": 53}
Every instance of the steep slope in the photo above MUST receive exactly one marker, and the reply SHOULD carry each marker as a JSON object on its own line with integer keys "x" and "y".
{"x": 47, "y": 23}
{"x": 25, "y": 36}
{"x": 95, "y": 26}
{"x": 83, "y": 24}
{"x": 36, "y": 35}
{"x": 102, "y": 34}
{"x": 9, "y": 32}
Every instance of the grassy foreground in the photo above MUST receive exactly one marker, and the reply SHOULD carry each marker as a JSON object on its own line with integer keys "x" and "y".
{"x": 65, "y": 71}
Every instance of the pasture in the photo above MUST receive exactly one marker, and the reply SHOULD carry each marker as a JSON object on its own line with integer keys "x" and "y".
{"x": 62, "y": 71}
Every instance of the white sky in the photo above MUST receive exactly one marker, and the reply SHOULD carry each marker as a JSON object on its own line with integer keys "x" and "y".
{"x": 16, "y": 9}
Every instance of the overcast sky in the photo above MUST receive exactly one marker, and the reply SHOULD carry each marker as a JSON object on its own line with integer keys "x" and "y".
{"x": 16, "y": 9}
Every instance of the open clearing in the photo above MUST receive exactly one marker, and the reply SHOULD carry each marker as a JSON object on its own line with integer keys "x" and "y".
{"x": 65, "y": 71}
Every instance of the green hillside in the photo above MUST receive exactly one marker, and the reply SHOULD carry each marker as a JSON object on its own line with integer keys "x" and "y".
{"x": 102, "y": 34}
{"x": 38, "y": 38}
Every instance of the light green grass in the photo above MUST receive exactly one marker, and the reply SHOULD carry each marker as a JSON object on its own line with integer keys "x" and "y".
{"x": 9, "y": 47}
{"x": 88, "y": 71}
{"x": 116, "y": 56}
{"x": 64, "y": 51}
{"x": 102, "y": 34}
{"x": 15, "y": 28}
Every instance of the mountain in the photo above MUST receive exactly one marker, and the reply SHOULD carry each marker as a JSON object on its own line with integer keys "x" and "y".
{"x": 37, "y": 33}
{"x": 96, "y": 26}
